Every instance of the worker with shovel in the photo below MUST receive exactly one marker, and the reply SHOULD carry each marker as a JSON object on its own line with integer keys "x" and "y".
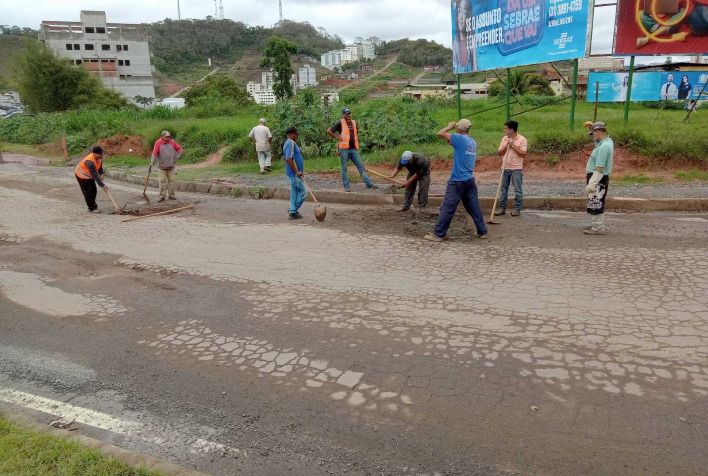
{"x": 461, "y": 186}
{"x": 166, "y": 152}
{"x": 294, "y": 166}
{"x": 89, "y": 172}
{"x": 418, "y": 167}
{"x": 513, "y": 148}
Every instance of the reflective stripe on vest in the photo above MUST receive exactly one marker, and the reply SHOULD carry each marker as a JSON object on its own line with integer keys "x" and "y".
{"x": 82, "y": 171}
{"x": 344, "y": 143}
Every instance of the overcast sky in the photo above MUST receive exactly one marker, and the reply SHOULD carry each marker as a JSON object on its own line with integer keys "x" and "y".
{"x": 387, "y": 19}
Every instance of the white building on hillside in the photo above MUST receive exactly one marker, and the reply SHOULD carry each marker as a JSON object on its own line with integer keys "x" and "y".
{"x": 262, "y": 92}
{"x": 331, "y": 59}
{"x": 368, "y": 51}
{"x": 118, "y": 53}
{"x": 307, "y": 77}
{"x": 353, "y": 53}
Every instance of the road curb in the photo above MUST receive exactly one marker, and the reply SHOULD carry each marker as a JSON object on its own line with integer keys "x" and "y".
{"x": 131, "y": 458}
{"x": 354, "y": 198}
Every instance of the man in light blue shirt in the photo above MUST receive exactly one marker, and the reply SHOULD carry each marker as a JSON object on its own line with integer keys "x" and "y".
{"x": 294, "y": 166}
{"x": 598, "y": 171}
{"x": 461, "y": 186}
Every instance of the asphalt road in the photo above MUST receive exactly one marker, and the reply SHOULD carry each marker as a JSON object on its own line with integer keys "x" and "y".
{"x": 234, "y": 341}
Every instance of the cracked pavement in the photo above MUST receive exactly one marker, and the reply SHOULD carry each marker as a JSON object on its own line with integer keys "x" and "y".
{"x": 352, "y": 346}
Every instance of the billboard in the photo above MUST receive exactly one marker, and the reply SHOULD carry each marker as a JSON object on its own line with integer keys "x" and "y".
{"x": 647, "y": 86}
{"x": 488, "y": 34}
{"x": 661, "y": 27}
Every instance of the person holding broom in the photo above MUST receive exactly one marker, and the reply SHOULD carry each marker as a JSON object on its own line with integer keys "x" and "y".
{"x": 89, "y": 172}
{"x": 461, "y": 186}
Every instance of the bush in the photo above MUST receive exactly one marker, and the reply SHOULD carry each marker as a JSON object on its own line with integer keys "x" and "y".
{"x": 557, "y": 142}
{"x": 239, "y": 152}
{"x": 666, "y": 105}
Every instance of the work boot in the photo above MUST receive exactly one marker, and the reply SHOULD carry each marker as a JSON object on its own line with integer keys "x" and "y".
{"x": 173, "y": 198}
{"x": 481, "y": 237}
{"x": 262, "y": 171}
{"x": 95, "y": 211}
{"x": 592, "y": 231}
{"x": 587, "y": 227}
{"x": 434, "y": 237}
{"x": 500, "y": 212}
{"x": 347, "y": 189}
{"x": 371, "y": 185}
{"x": 294, "y": 216}
{"x": 516, "y": 213}
{"x": 268, "y": 169}
{"x": 403, "y": 209}
{"x": 162, "y": 199}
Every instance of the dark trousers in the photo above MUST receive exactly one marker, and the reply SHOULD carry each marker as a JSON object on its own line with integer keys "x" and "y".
{"x": 454, "y": 193}
{"x": 88, "y": 188}
{"x": 423, "y": 187}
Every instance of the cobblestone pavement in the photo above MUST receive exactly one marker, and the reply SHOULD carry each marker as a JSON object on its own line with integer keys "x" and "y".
{"x": 339, "y": 348}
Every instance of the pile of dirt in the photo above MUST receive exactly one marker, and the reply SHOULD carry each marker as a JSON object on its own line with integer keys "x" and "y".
{"x": 171, "y": 88}
{"x": 121, "y": 144}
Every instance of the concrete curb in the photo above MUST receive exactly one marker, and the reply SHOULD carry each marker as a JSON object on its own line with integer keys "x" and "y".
{"x": 131, "y": 458}
{"x": 352, "y": 198}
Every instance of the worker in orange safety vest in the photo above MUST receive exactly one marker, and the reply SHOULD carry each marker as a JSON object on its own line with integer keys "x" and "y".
{"x": 89, "y": 172}
{"x": 347, "y": 134}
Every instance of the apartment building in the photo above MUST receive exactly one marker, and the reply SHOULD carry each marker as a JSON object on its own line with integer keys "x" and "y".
{"x": 337, "y": 58}
{"x": 307, "y": 77}
{"x": 117, "y": 53}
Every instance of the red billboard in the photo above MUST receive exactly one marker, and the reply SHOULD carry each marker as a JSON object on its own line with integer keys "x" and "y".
{"x": 661, "y": 27}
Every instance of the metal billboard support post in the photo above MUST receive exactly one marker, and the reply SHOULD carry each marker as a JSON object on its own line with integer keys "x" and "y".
{"x": 629, "y": 90}
{"x": 508, "y": 94}
{"x": 574, "y": 94}
{"x": 459, "y": 100}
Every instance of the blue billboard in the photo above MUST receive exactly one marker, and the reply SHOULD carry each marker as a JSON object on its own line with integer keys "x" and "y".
{"x": 489, "y": 34}
{"x": 647, "y": 86}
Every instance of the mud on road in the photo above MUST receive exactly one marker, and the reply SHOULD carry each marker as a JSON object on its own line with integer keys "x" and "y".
{"x": 235, "y": 341}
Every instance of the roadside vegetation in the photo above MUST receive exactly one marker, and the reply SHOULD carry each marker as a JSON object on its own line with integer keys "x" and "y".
{"x": 25, "y": 452}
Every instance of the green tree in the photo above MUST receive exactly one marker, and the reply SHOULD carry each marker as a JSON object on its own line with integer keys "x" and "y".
{"x": 47, "y": 83}
{"x": 522, "y": 82}
{"x": 217, "y": 88}
{"x": 277, "y": 56}
{"x": 307, "y": 97}
{"x": 143, "y": 100}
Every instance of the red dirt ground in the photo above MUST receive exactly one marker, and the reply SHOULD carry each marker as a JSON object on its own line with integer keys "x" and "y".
{"x": 121, "y": 144}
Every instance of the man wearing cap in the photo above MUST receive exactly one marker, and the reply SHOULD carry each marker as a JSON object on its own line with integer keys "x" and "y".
{"x": 346, "y": 132}
{"x": 418, "y": 168}
{"x": 261, "y": 139}
{"x": 166, "y": 152}
{"x": 513, "y": 146}
{"x": 294, "y": 166}
{"x": 461, "y": 186}
{"x": 89, "y": 172}
{"x": 598, "y": 171}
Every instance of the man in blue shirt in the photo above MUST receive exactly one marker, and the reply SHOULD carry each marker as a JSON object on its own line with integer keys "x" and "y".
{"x": 597, "y": 172}
{"x": 294, "y": 165}
{"x": 461, "y": 186}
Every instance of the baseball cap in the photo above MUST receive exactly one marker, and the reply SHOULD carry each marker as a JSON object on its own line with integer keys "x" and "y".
{"x": 597, "y": 126}
{"x": 262, "y": 120}
{"x": 166, "y": 134}
{"x": 407, "y": 155}
{"x": 464, "y": 124}
{"x": 345, "y": 110}
{"x": 587, "y": 124}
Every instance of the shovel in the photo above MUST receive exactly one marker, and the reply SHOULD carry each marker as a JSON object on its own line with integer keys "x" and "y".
{"x": 145, "y": 197}
{"x": 118, "y": 210}
{"x": 320, "y": 210}
{"x": 496, "y": 198}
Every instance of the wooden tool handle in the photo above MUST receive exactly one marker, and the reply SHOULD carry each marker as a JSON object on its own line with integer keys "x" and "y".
{"x": 114, "y": 202}
{"x": 310, "y": 191}
{"x": 160, "y": 213}
{"x": 147, "y": 179}
{"x": 386, "y": 177}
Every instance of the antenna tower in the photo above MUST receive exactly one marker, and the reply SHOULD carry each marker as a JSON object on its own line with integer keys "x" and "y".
{"x": 179, "y": 14}
{"x": 221, "y": 9}
{"x": 280, "y": 5}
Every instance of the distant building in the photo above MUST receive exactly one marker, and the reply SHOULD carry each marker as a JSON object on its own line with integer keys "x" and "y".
{"x": 172, "y": 103}
{"x": 307, "y": 77}
{"x": 262, "y": 92}
{"x": 353, "y": 53}
{"x": 330, "y": 98}
{"x": 368, "y": 51}
{"x": 117, "y": 53}
{"x": 265, "y": 97}
{"x": 331, "y": 59}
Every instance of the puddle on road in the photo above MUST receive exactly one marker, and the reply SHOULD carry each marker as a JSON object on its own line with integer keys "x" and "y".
{"x": 34, "y": 292}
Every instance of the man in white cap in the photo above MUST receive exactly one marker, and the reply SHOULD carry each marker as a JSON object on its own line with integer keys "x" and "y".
{"x": 418, "y": 168}
{"x": 598, "y": 171}
{"x": 166, "y": 152}
{"x": 261, "y": 139}
{"x": 461, "y": 186}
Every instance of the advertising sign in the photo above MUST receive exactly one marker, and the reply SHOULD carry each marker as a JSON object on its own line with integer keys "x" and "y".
{"x": 488, "y": 34}
{"x": 661, "y": 27}
{"x": 647, "y": 86}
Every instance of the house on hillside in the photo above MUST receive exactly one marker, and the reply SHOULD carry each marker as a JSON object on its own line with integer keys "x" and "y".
{"x": 117, "y": 53}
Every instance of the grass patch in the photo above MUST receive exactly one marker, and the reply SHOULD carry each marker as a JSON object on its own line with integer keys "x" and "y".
{"x": 692, "y": 174}
{"x": 641, "y": 178}
{"x": 33, "y": 150}
{"x": 25, "y": 452}
{"x": 126, "y": 161}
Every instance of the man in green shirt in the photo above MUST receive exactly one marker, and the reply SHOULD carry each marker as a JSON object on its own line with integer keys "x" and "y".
{"x": 598, "y": 171}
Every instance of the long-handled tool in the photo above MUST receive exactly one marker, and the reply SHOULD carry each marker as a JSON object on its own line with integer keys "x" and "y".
{"x": 320, "y": 210}
{"x": 118, "y": 210}
{"x": 386, "y": 177}
{"x": 147, "y": 179}
{"x": 496, "y": 198}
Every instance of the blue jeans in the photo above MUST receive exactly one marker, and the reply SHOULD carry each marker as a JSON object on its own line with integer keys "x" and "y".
{"x": 298, "y": 193}
{"x": 454, "y": 192}
{"x": 345, "y": 155}
{"x": 516, "y": 178}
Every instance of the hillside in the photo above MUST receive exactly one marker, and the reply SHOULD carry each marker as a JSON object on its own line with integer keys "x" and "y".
{"x": 10, "y": 45}
{"x": 247, "y": 68}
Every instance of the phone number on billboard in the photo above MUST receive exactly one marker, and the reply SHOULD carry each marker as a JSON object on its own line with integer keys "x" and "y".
{"x": 563, "y": 8}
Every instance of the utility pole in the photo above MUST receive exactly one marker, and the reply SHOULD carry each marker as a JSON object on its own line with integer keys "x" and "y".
{"x": 221, "y": 9}
{"x": 179, "y": 14}
{"x": 280, "y": 5}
